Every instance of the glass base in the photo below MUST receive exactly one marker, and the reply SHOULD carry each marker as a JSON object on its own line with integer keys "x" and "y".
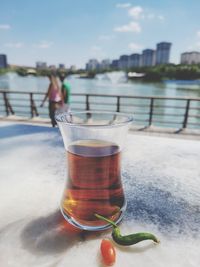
{"x": 73, "y": 222}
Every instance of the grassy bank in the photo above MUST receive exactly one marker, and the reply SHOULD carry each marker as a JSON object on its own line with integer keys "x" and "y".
{"x": 3, "y": 71}
{"x": 171, "y": 72}
{"x": 161, "y": 72}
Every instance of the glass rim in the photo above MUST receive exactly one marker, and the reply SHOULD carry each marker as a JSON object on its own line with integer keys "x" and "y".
{"x": 59, "y": 119}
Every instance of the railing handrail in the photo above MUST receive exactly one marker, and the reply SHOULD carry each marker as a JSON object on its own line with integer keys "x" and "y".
{"x": 109, "y": 95}
{"x": 89, "y": 102}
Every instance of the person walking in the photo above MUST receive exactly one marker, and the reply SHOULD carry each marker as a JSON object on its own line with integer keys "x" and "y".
{"x": 55, "y": 98}
{"x": 66, "y": 92}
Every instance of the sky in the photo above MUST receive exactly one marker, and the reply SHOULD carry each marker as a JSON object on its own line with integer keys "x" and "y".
{"x": 74, "y": 31}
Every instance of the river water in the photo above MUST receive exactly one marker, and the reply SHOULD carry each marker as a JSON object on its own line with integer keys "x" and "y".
{"x": 113, "y": 83}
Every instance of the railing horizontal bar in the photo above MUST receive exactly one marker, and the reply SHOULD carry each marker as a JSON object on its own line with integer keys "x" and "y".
{"x": 22, "y": 106}
{"x": 22, "y": 92}
{"x": 133, "y": 105}
{"x": 112, "y": 104}
{"x": 38, "y": 100}
{"x": 140, "y": 120}
{"x": 166, "y": 106}
{"x": 193, "y": 123}
{"x": 141, "y": 97}
{"x": 101, "y": 109}
{"x": 22, "y": 112}
{"x": 193, "y": 108}
{"x": 103, "y": 104}
{"x": 44, "y": 113}
{"x": 194, "y": 116}
{"x": 168, "y": 114}
{"x": 77, "y": 102}
{"x": 18, "y": 99}
{"x": 106, "y": 95}
{"x": 81, "y": 109}
{"x": 140, "y": 113}
{"x": 167, "y": 122}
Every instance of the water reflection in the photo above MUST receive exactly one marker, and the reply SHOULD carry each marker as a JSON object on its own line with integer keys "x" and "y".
{"x": 115, "y": 83}
{"x": 4, "y": 82}
{"x": 108, "y": 83}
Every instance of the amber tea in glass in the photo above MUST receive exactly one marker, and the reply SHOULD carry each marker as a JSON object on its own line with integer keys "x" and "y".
{"x": 94, "y": 168}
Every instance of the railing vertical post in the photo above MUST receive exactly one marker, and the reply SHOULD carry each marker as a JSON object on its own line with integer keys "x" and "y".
{"x": 31, "y": 104}
{"x": 187, "y": 108}
{"x": 118, "y": 103}
{"x": 33, "y": 107}
{"x": 151, "y": 111}
{"x": 7, "y": 105}
{"x": 87, "y": 103}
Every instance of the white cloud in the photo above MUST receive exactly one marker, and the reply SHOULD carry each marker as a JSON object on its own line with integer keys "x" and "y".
{"x": 190, "y": 47}
{"x": 106, "y": 37}
{"x": 125, "y": 5}
{"x": 5, "y": 27}
{"x": 97, "y": 52}
{"x": 194, "y": 46}
{"x": 43, "y": 44}
{"x": 197, "y": 45}
{"x": 135, "y": 47}
{"x": 96, "y": 48}
{"x": 198, "y": 34}
{"x": 131, "y": 27}
{"x": 14, "y": 45}
{"x": 161, "y": 17}
{"x": 154, "y": 16}
{"x": 136, "y": 12}
{"x": 151, "y": 16}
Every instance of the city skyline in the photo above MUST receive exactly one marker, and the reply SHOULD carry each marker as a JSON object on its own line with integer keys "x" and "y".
{"x": 147, "y": 57}
{"x": 73, "y": 32}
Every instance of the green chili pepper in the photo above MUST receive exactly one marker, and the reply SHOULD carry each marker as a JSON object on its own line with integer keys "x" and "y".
{"x": 128, "y": 239}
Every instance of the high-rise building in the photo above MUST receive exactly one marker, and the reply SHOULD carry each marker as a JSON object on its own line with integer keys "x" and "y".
{"x": 72, "y": 68}
{"x": 92, "y": 64}
{"x": 3, "y": 61}
{"x": 190, "y": 57}
{"x": 148, "y": 57}
{"x": 123, "y": 62}
{"x": 105, "y": 64}
{"x": 163, "y": 53}
{"x": 41, "y": 65}
{"x": 115, "y": 64}
{"x": 134, "y": 60}
{"x": 52, "y": 67}
{"x": 61, "y": 66}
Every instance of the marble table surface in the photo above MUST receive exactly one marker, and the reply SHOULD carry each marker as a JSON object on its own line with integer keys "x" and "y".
{"x": 161, "y": 178}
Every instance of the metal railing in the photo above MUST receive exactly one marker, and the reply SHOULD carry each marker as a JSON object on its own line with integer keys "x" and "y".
{"x": 182, "y": 112}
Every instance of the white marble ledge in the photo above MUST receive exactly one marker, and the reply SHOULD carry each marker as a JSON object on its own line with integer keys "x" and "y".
{"x": 161, "y": 178}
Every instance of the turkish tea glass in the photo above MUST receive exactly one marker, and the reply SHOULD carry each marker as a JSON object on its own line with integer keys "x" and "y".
{"x": 93, "y": 142}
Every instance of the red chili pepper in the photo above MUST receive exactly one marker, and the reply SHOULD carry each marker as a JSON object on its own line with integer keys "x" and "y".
{"x": 108, "y": 252}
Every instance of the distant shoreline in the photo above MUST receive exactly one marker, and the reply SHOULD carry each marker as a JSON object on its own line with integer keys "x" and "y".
{"x": 158, "y": 73}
